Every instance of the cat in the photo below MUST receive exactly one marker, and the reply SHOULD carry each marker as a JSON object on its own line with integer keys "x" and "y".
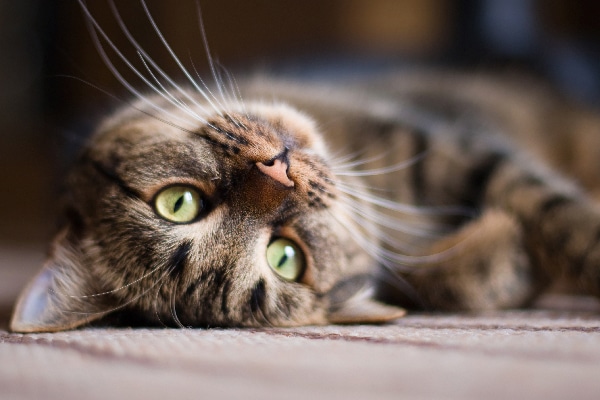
{"x": 269, "y": 202}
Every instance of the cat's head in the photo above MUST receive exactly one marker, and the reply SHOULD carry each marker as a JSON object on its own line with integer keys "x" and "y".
{"x": 233, "y": 220}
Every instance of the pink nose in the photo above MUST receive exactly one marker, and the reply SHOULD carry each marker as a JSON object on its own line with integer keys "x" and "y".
{"x": 277, "y": 171}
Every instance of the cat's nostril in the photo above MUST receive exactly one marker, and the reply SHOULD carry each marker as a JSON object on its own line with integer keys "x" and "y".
{"x": 277, "y": 170}
{"x": 283, "y": 157}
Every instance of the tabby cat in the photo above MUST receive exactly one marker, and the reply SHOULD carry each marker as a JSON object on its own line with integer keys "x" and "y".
{"x": 273, "y": 203}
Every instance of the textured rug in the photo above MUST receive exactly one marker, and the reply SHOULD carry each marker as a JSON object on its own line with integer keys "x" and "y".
{"x": 551, "y": 352}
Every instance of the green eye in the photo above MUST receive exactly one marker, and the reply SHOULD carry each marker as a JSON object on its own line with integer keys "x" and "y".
{"x": 178, "y": 204}
{"x": 285, "y": 258}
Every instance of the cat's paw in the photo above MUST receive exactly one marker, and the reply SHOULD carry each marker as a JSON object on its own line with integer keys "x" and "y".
{"x": 484, "y": 266}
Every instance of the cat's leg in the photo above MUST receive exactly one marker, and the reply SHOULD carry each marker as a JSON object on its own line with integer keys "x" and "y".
{"x": 560, "y": 223}
{"x": 535, "y": 228}
{"x": 483, "y": 265}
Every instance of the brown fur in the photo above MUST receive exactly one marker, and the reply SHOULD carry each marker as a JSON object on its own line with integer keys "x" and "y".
{"x": 440, "y": 190}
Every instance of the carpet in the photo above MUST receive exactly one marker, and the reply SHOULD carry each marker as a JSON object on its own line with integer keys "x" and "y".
{"x": 549, "y": 352}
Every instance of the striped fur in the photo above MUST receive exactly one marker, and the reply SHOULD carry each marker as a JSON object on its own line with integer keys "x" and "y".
{"x": 439, "y": 190}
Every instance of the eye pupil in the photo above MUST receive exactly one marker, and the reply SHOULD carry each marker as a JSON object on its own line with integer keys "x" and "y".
{"x": 178, "y": 204}
{"x": 282, "y": 261}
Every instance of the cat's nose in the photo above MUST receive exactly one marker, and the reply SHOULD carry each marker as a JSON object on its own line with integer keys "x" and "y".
{"x": 277, "y": 169}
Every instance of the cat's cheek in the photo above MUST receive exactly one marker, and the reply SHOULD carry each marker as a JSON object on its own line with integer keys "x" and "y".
{"x": 202, "y": 230}
{"x": 311, "y": 309}
{"x": 332, "y": 256}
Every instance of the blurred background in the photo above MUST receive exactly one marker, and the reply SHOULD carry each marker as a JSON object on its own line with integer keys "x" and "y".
{"x": 53, "y": 83}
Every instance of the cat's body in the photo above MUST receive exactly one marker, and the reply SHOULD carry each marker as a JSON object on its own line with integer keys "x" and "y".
{"x": 301, "y": 204}
{"x": 514, "y": 153}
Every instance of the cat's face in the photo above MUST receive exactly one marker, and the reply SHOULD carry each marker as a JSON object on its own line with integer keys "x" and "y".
{"x": 195, "y": 208}
{"x": 232, "y": 221}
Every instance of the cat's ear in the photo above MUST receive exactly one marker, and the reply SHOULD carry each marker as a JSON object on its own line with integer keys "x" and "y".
{"x": 352, "y": 302}
{"x": 364, "y": 311}
{"x": 55, "y": 300}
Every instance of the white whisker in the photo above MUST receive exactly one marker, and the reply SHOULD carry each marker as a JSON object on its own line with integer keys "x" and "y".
{"x": 127, "y": 285}
{"x": 373, "y": 249}
{"x": 201, "y": 80}
{"x": 156, "y": 312}
{"x": 151, "y": 61}
{"x": 94, "y": 29}
{"x": 387, "y": 258}
{"x": 176, "y": 59}
{"x": 232, "y": 102}
{"x": 211, "y": 64}
{"x": 172, "y": 302}
{"x": 420, "y": 228}
{"x": 359, "y": 185}
{"x": 379, "y": 171}
{"x": 399, "y": 207}
{"x": 353, "y": 164}
{"x": 364, "y": 223}
{"x": 121, "y": 306}
{"x": 338, "y": 157}
{"x": 135, "y": 107}
{"x": 235, "y": 90}
{"x": 178, "y": 102}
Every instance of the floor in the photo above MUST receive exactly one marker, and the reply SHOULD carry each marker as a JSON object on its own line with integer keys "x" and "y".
{"x": 550, "y": 352}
